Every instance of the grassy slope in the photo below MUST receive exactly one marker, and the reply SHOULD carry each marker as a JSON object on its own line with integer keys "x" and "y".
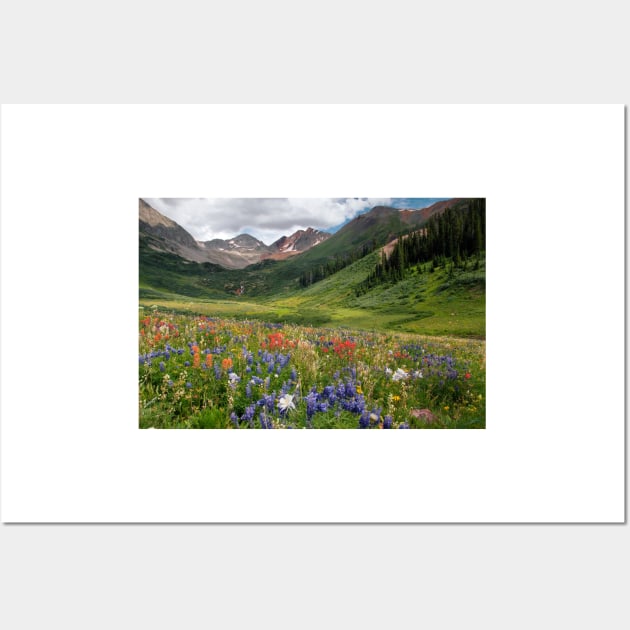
{"x": 164, "y": 274}
{"x": 426, "y": 303}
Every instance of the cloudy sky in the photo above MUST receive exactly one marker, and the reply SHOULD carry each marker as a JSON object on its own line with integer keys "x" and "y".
{"x": 269, "y": 219}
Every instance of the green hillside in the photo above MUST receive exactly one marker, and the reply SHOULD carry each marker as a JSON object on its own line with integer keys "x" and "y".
{"x": 432, "y": 283}
{"x": 448, "y": 300}
{"x": 163, "y": 274}
{"x": 168, "y": 272}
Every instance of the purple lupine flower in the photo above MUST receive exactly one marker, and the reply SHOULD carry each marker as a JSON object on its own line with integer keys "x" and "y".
{"x": 387, "y": 422}
{"x": 248, "y": 416}
{"x": 267, "y": 401}
{"x": 311, "y": 403}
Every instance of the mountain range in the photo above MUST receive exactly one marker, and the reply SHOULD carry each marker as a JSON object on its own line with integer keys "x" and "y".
{"x": 380, "y": 225}
{"x": 172, "y": 260}
{"x": 164, "y": 235}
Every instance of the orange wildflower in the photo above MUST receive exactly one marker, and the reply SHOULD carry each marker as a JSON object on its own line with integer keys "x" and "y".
{"x": 208, "y": 360}
{"x": 226, "y": 364}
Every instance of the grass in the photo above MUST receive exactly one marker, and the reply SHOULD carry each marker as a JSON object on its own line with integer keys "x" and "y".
{"x": 438, "y": 303}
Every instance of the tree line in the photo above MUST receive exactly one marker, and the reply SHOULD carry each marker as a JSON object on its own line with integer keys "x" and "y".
{"x": 333, "y": 265}
{"x": 456, "y": 234}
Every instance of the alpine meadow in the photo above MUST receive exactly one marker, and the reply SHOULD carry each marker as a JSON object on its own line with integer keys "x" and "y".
{"x": 360, "y": 313}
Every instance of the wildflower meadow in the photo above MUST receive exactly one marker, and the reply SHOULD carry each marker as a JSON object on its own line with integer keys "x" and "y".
{"x": 200, "y": 372}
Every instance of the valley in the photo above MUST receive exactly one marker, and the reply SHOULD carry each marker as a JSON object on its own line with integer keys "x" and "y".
{"x": 443, "y": 299}
{"x": 379, "y": 325}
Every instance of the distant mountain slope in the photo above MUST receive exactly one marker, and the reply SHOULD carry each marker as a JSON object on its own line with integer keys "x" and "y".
{"x": 237, "y": 252}
{"x": 298, "y": 242}
{"x": 164, "y": 235}
{"x": 420, "y": 217}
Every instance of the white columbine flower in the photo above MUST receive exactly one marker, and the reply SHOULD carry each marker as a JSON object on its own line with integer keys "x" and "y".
{"x": 399, "y": 375}
{"x": 285, "y": 403}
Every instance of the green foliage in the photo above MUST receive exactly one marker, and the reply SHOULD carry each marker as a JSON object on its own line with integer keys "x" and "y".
{"x": 332, "y": 266}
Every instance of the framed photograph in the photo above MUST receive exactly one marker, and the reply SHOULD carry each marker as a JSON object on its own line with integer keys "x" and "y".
{"x": 372, "y": 319}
